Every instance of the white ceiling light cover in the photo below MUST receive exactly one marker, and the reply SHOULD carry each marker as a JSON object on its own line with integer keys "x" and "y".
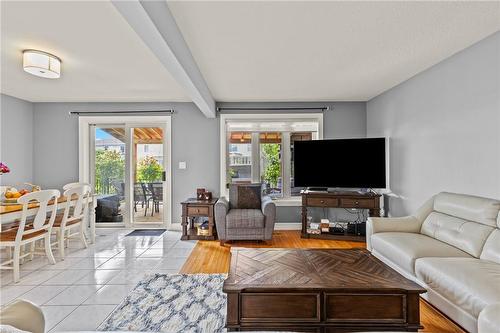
{"x": 42, "y": 64}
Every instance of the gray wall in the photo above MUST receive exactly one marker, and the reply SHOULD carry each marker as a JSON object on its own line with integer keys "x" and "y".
{"x": 444, "y": 126}
{"x": 343, "y": 120}
{"x": 194, "y": 140}
{"x": 16, "y": 135}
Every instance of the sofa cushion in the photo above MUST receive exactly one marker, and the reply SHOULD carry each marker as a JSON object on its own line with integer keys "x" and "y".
{"x": 246, "y": 233}
{"x": 491, "y": 249}
{"x": 463, "y": 234}
{"x": 244, "y": 219}
{"x": 404, "y": 248}
{"x": 469, "y": 283}
{"x": 468, "y": 207}
{"x": 245, "y": 196}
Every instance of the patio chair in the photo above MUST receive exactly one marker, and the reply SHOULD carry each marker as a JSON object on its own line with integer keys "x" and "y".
{"x": 156, "y": 190}
{"x": 141, "y": 196}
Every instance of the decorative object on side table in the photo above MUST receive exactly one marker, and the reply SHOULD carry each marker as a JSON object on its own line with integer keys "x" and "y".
{"x": 207, "y": 196}
{"x": 203, "y": 229}
{"x": 200, "y": 193}
{"x": 193, "y": 210}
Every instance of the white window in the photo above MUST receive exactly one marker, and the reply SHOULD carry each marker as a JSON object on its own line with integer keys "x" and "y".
{"x": 259, "y": 149}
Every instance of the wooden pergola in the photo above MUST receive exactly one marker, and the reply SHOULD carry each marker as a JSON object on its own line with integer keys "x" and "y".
{"x": 267, "y": 137}
{"x": 142, "y": 135}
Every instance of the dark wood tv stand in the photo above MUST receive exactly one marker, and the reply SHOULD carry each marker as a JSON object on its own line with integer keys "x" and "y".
{"x": 338, "y": 199}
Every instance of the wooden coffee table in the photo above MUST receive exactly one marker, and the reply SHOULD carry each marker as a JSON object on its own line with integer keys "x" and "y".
{"x": 318, "y": 290}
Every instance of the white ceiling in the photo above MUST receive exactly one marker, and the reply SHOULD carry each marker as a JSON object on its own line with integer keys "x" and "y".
{"x": 103, "y": 58}
{"x": 247, "y": 51}
{"x": 329, "y": 50}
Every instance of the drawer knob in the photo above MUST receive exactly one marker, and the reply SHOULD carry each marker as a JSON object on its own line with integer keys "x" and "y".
{"x": 357, "y": 202}
{"x": 322, "y": 201}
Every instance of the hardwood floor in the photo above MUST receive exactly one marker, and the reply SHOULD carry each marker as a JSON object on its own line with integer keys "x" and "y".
{"x": 210, "y": 257}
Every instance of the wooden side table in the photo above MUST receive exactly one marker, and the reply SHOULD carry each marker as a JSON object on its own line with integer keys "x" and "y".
{"x": 193, "y": 208}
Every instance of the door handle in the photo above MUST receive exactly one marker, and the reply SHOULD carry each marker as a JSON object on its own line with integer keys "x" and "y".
{"x": 163, "y": 175}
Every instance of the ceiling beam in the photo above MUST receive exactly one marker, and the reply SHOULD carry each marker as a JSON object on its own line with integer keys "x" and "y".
{"x": 155, "y": 25}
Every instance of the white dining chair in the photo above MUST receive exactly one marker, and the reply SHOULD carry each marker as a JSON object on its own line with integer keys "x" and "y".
{"x": 89, "y": 223}
{"x": 30, "y": 232}
{"x": 73, "y": 217}
{"x": 70, "y": 185}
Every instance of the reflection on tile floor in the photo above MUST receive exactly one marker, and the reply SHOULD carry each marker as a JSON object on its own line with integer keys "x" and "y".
{"x": 80, "y": 292}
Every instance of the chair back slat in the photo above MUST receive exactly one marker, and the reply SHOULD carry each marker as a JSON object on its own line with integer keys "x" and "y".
{"x": 70, "y": 185}
{"x": 77, "y": 199}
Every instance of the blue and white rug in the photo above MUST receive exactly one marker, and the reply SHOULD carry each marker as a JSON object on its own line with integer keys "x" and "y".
{"x": 187, "y": 303}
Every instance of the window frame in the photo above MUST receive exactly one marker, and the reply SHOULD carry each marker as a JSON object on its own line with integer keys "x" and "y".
{"x": 286, "y": 154}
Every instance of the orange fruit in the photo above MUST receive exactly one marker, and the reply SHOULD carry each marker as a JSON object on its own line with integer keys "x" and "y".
{"x": 16, "y": 195}
{"x": 9, "y": 194}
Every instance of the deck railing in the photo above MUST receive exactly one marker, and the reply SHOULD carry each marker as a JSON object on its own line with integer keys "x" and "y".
{"x": 239, "y": 160}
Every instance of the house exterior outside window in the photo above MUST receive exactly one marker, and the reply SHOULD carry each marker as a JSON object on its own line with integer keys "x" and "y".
{"x": 259, "y": 149}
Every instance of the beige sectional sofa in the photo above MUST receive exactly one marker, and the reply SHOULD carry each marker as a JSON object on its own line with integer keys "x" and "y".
{"x": 450, "y": 246}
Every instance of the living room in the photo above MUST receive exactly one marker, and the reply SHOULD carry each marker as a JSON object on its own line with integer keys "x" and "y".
{"x": 261, "y": 166}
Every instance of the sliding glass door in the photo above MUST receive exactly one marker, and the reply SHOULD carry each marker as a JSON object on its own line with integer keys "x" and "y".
{"x": 108, "y": 172}
{"x": 127, "y": 164}
{"x": 147, "y": 174}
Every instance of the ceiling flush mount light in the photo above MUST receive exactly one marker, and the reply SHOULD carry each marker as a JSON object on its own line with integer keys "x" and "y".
{"x": 41, "y": 64}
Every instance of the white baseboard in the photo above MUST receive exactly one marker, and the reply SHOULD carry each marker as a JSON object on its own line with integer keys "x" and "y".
{"x": 288, "y": 226}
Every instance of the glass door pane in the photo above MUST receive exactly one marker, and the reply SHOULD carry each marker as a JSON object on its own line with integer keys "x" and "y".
{"x": 270, "y": 163}
{"x": 148, "y": 174}
{"x": 108, "y": 173}
{"x": 240, "y": 158}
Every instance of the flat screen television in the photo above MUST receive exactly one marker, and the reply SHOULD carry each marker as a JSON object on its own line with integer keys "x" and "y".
{"x": 343, "y": 163}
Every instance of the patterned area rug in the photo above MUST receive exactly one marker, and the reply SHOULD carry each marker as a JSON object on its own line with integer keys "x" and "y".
{"x": 188, "y": 303}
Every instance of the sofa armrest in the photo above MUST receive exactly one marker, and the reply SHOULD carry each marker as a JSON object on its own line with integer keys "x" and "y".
{"x": 24, "y": 316}
{"x": 489, "y": 320}
{"x": 221, "y": 209}
{"x": 391, "y": 224}
{"x": 269, "y": 211}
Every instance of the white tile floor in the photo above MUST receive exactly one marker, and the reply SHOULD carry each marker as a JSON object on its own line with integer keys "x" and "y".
{"x": 80, "y": 292}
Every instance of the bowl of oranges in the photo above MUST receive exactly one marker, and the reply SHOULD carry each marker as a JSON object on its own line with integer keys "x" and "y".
{"x": 11, "y": 195}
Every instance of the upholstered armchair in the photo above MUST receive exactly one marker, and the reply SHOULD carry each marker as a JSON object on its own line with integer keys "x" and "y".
{"x": 247, "y": 214}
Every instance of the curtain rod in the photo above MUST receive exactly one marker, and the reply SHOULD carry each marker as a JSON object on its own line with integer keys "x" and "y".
{"x": 120, "y": 112}
{"x": 322, "y": 108}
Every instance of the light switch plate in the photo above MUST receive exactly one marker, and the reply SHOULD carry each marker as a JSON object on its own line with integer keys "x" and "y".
{"x": 182, "y": 165}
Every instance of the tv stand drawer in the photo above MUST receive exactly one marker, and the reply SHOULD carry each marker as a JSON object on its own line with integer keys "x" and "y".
{"x": 322, "y": 202}
{"x": 357, "y": 203}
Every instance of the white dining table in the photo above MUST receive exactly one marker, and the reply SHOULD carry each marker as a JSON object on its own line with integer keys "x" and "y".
{"x": 13, "y": 212}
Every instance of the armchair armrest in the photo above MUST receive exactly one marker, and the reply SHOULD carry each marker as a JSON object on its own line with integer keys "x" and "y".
{"x": 221, "y": 209}
{"x": 393, "y": 224}
{"x": 269, "y": 211}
